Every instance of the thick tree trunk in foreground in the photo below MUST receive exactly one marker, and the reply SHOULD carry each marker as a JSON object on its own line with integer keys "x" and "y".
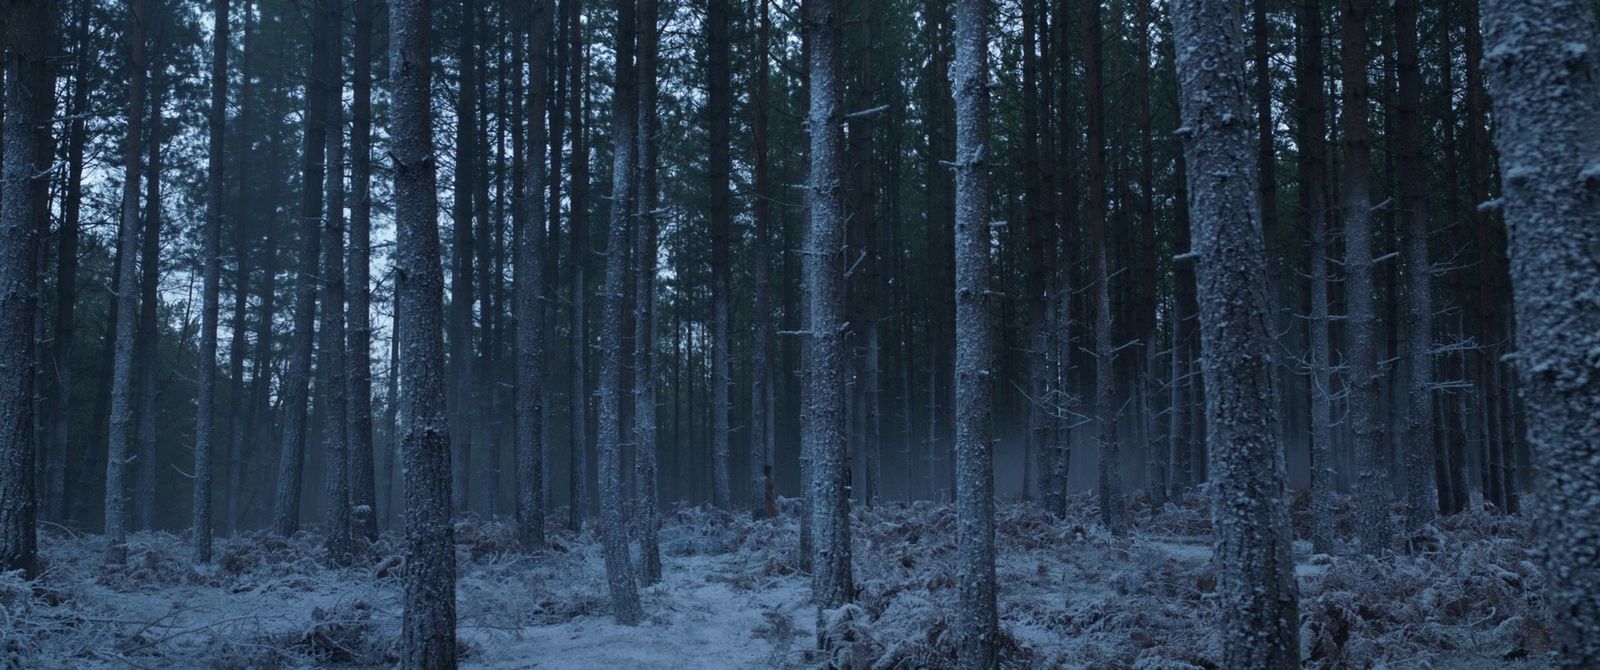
{"x": 529, "y": 278}
{"x": 1255, "y": 568}
{"x": 614, "y": 533}
{"x": 823, "y": 412}
{"x": 120, "y": 435}
{"x": 24, "y": 181}
{"x": 977, "y": 621}
{"x": 206, "y": 395}
{"x": 1544, "y": 69}
{"x": 429, "y": 572}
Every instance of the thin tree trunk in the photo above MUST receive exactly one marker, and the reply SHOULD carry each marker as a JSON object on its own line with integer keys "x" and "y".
{"x": 578, "y": 419}
{"x": 429, "y": 575}
{"x": 24, "y": 195}
{"x": 1413, "y": 210}
{"x": 1112, "y": 511}
{"x": 977, "y": 621}
{"x": 529, "y": 286}
{"x": 1255, "y": 568}
{"x": 296, "y": 381}
{"x": 204, "y": 414}
{"x": 147, "y": 345}
{"x": 1312, "y": 140}
{"x": 462, "y": 397}
{"x": 58, "y": 461}
{"x": 619, "y": 571}
{"x": 331, "y": 378}
{"x": 761, "y": 356}
{"x": 120, "y": 435}
{"x": 358, "y": 283}
{"x": 718, "y": 110}
{"x": 823, "y": 413}
{"x": 1372, "y": 517}
{"x": 645, "y": 368}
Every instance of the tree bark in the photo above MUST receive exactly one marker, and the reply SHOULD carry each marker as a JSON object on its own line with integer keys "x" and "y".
{"x": 529, "y": 286}
{"x": 977, "y": 621}
{"x": 823, "y": 412}
{"x": 1112, "y": 510}
{"x": 358, "y": 282}
{"x": 1543, "y": 66}
{"x": 647, "y": 518}
{"x": 120, "y": 435}
{"x": 212, "y": 242}
{"x": 296, "y": 378}
{"x": 578, "y": 257}
{"x": 24, "y": 194}
{"x": 761, "y": 357}
{"x": 147, "y": 345}
{"x": 1414, "y": 207}
{"x": 1255, "y": 567}
{"x": 718, "y": 109}
{"x": 429, "y": 569}
{"x": 462, "y": 398}
{"x": 331, "y": 376}
{"x": 1313, "y": 143}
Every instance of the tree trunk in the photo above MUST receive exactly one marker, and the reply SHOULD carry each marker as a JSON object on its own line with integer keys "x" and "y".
{"x": 1312, "y": 140}
{"x": 977, "y": 623}
{"x": 647, "y": 519}
{"x": 24, "y": 194}
{"x": 358, "y": 282}
{"x": 1542, "y": 67}
{"x": 619, "y": 570}
{"x": 429, "y": 573}
{"x": 147, "y": 345}
{"x": 1372, "y": 498}
{"x": 761, "y": 206}
{"x": 1112, "y": 512}
{"x": 1255, "y": 568}
{"x": 1413, "y": 210}
{"x": 529, "y": 285}
{"x": 204, "y": 414}
{"x": 463, "y": 400}
{"x": 296, "y": 378}
{"x": 823, "y": 412}
{"x": 578, "y": 256}
{"x": 718, "y": 109}
{"x": 120, "y": 435}
{"x": 59, "y": 459}
{"x": 331, "y": 377}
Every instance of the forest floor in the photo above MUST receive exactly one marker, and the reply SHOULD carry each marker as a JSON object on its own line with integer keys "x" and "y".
{"x": 733, "y": 597}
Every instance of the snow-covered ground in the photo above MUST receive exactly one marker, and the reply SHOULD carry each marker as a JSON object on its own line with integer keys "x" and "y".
{"x": 733, "y": 597}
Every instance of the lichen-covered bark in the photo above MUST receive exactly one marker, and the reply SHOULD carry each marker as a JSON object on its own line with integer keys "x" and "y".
{"x": 1372, "y": 490}
{"x": 822, "y": 415}
{"x": 529, "y": 278}
{"x": 428, "y": 575}
{"x": 1255, "y": 568}
{"x": 977, "y": 625}
{"x": 120, "y": 434}
{"x": 1543, "y": 68}
{"x": 212, "y": 246}
{"x": 614, "y": 535}
{"x": 29, "y": 103}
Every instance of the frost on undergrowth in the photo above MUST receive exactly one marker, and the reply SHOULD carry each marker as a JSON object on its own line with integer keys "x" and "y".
{"x": 1070, "y": 594}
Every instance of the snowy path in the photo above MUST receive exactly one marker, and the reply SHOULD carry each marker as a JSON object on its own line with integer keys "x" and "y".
{"x": 695, "y": 615}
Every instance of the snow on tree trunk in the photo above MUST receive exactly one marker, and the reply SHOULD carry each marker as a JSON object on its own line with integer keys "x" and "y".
{"x": 358, "y": 282}
{"x": 24, "y": 181}
{"x": 212, "y": 244}
{"x": 120, "y": 434}
{"x": 1255, "y": 568}
{"x": 331, "y": 380}
{"x": 529, "y": 278}
{"x": 647, "y": 518}
{"x": 1372, "y": 489}
{"x": 296, "y": 379}
{"x": 429, "y": 569}
{"x": 1543, "y": 67}
{"x": 977, "y": 623}
{"x": 822, "y": 415}
{"x": 613, "y": 531}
